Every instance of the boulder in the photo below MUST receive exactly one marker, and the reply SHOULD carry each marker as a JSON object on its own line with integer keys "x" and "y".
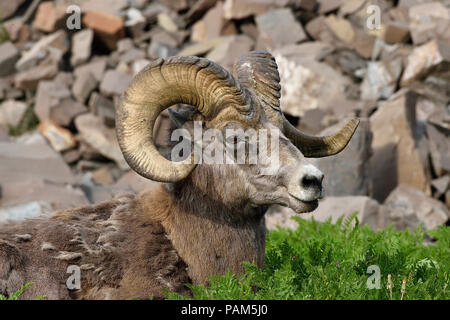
{"x": 305, "y": 81}
{"x": 114, "y": 83}
{"x": 107, "y": 27}
{"x": 439, "y": 143}
{"x": 429, "y": 212}
{"x": 331, "y": 208}
{"x": 101, "y": 138}
{"x": 49, "y": 96}
{"x": 273, "y": 26}
{"x": 49, "y": 16}
{"x": 12, "y": 112}
{"x": 212, "y": 25}
{"x": 396, "y": 159}
{"x": 8, "y": 57}
{"x": 347, "y": 173}
{"x": 59, "y": 138}
{"x": 227, "y": 52}
{"x": 81, "y": 47}
{"x": 423, "y": 59}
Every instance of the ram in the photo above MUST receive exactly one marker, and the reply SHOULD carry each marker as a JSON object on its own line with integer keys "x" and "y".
{"x": 204, "y": 218}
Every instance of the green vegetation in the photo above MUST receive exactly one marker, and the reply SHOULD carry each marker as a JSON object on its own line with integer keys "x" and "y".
{"x": 330, "y": 261}
{"x": 4, "y": 36}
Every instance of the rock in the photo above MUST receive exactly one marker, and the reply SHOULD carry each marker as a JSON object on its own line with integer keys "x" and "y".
{"x": 107, "y": 27}
{"x": 33, "y": 159}
{"x": 305, "y": 82}
{"x": 98, "y": 136}
{"x": 56, "y": 196}
{"x": 8, "y": 8}
{"x": 212, "y": 25}
{"x": 111, "y": 7}
{"x": 30, "y": 78}
{"x": 25, "y": 211}
{"x": 440, "y": 149}
{"x": 160, "y": 50}
{"x": 71, "y": 156}
{"x": 326, "y": 6}
{"x": 132, "y": 55}
{"x": 96, "y": 67}
{"x": 83, "y": 86}
{"x": 63, "y": 113}
{"x": 114, "y": 83}
{"x": 167, "y": 23}
{"x": 177, "y": 5}
{"x": 12, "y": 112}
{"x": 140, "y": 64}
{"x": 273, "y": 25}
{"x": 423, "y": 58}
{"x": 227, "y": 52}
{"x": 441, "y": 185}
{"x": 238, "y": 9}
{"x": 381, "y": 79}
{"x": 104, "y": 108}
{"x": 395, "y": 32}
{"x": 202, "y": 47}
{"x": 348, "y": 173}
{"x": 395, "y": 159}
{"x": 136, "y": 182}
{"x": 135, "y": 22}
{"x": 60, "y": 139}
{"x": 102, "y": 176}
{"x": 81, "y": 46}
{"x": 198, "y": 8}
{"x": 8, "y": 57}
{"x": 430, "y": 213}
{"x": 41, "y": 49}
{"x": 124, "y": 45}
{"x": 424, "y": 19}
{"x": 49, "y": 96}
{"x": 329, "y": 208}
{"x": 49, "y": 16}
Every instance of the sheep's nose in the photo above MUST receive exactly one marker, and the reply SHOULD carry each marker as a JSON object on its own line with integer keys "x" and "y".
{"x": 309, "y": 181}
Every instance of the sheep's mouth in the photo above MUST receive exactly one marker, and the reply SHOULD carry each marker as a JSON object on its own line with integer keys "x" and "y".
{"x": 302, "y": 206}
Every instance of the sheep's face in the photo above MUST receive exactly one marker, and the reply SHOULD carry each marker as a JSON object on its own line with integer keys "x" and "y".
{"x": 253, "y": 164}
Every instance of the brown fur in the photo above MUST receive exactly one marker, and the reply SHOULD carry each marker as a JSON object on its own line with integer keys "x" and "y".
{"x": 134, "y": 246}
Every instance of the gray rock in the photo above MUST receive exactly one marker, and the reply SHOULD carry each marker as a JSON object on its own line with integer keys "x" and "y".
{"x": 25, "y": 211}
{"x": 227, "y": 52}
{"x": 329, "y": 208}
{"x": 396, "y": 156}
{"x": 114, "y": 83}
{"x": 430, "y": 213}
{"x": 101, "y": 138}
{"x": 42, "y": 48}
{"x": 63, "y": 113}
{"x": 81, "y": 46}
{"x": 439, "y": 144}
{"x": 49, "y": 95}
{"x": 104, "y": 108}
{"x": 33, "y": 159}
{"x": 8, "y": 8}
{"x": 97, "y": 67}
{"x": 8, "y": 57}
{"x": 347, "y": 173}
{"x": 381, "y": 79}
{"x": 84, "y": 84}
{"x": 11, "y": 112}
{"x": 279, "y": 28}
{"x": 441, "y": 185}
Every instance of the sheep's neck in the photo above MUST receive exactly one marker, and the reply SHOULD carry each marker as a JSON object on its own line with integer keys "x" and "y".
{"x": 210, "y": 237}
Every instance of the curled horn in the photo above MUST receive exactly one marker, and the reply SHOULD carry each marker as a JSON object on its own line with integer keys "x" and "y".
{"x": 258, "y": 72}
{"x": 189, "y": 80}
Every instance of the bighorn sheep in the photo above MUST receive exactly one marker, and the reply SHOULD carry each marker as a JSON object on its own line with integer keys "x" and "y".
{"x": 203, "y": 220}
